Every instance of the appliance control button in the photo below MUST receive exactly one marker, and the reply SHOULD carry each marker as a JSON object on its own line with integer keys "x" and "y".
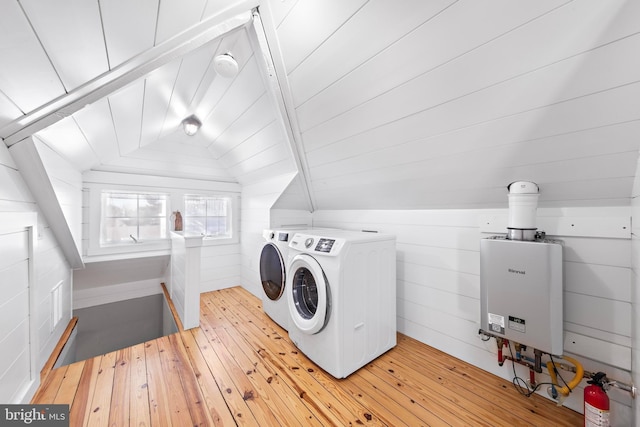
{"x": 308, "y": 242}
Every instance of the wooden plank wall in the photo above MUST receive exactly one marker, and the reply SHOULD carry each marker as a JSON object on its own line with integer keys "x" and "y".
{"x": 50, "y": 264}
{"x": 439, "y": 286}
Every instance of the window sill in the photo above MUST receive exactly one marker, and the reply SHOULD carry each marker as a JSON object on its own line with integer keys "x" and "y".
{"x": 88, "y": 259}
{"x": 127, "y": 251}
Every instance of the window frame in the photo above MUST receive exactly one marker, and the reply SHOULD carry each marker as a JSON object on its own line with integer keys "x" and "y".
{"x": 138, "y": 196}
{"x": 92, "y": 191}
{"x": 229, "y": 216}
{"x": 93, "y": 217}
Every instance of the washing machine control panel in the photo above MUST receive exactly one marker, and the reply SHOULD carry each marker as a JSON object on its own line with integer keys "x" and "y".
{"x": 329, "y": 246}
{"x": 324, "y": 245}
{"x": 283, "y": 237}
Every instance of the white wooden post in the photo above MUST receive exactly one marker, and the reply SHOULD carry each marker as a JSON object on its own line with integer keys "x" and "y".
{"x": 185, "y": 277}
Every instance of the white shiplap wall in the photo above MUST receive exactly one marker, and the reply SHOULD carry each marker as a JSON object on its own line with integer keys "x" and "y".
{"x": 256, "y": 216}
{"x": 67, "y": 186}
{"x": 16, "y": 361}
{"x": 439, "y": 284}
{"x": 448, "y": 101}
{"x": 220, "y": 267}
{"x": 50, "y": 264}
{"x": 635, "y": 292}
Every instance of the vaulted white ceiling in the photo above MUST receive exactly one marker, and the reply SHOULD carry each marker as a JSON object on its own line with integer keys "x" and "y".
{"x": 60, "y": 48}
{"x": 442, "y": 104}
{"x": 410, "y": 104}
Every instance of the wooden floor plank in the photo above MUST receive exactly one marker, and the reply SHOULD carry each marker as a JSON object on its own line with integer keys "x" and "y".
{"x": 258, "y": 373}
{"x": 494, "y": 390}
{"x": 120, "y": 399}
{"x": 69, "y": 386}
{"x": 260, "y": 408}
{"x": 239, "y": 368}
{"x": 193, "y": 395}
{"x": 81, "y": 408}
{"x": 49, "y": 389}
{"x": 218, "y": 408}
{"x": 234, "y": 397}
{"x": 330, "y": 404}
{"x": 159, "y": 411}
{"x": 101, "y": 402}
{"x": 138, "y": 388}
{"x": 176, "y": 395}
{"x": 386, "y": 407}
{"x": 421, "y": 385}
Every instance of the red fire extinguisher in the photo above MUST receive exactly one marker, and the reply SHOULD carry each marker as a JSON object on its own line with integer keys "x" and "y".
{"x": 596, "y": 402}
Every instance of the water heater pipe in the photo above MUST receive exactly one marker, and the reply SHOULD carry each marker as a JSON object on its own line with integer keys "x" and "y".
{"x": 535, "y": 365}
{"x": 523, "y": 204}
{"x": 551, "y": 368}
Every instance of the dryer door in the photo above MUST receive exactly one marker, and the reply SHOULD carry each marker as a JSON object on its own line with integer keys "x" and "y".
{"x": 272, "y": 271}
{"x": 308, "y": 295}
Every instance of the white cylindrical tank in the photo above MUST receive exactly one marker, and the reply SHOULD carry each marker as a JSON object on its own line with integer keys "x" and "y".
{"x": 523, "y": 204}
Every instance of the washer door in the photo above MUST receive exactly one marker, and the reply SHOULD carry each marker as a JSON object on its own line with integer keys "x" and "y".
{"x": 308, "y": 295}
{"x": 272, "y": 271}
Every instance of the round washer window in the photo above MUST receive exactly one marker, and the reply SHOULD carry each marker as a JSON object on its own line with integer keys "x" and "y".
{"x": 272, "y": 272}
{"x": 305, "y": 293}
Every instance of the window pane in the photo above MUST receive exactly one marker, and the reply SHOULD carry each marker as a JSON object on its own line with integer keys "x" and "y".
{"x": 195, "y": 206}
{"x": 207, "y": 215}
{"x": 152, "y": 206}
{"x": 153, "y": 228}
{"x": 119, "y": 205}
{"x": 143, "y": 216}
{"x": 117, "y": 230}
{"x": 217, "y": 207}
{"x": 195, "y": 225}
{"x": 217, "y": 226}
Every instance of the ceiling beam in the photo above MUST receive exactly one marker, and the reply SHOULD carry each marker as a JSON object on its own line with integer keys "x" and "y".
{"x": 279, "y": 91}
{"x": 234, "y": 17}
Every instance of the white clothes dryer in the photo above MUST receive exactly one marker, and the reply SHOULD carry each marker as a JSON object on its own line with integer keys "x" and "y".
{"x": 341, "y": 293}
{"x": 273, "y": 266}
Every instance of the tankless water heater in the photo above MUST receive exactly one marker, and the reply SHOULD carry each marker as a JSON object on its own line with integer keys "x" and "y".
{"x": 521, "y": 292}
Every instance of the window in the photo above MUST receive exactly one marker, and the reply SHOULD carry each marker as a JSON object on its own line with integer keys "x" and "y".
{"x": 207, "y": 215}
{"x": 132, "y": 218}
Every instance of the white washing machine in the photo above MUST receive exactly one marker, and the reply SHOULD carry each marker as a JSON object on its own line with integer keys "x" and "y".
{"x": 273, "y": 266}
{"x": 341, "y": 293}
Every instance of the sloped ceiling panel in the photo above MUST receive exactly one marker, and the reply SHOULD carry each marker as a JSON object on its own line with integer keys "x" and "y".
{"x": 58, "y": 24}
{"x": 129, "y": 28}
{"x": 446, "y": 105}
{"x": 442, "y": 106}
{"x": 69, "y": 45}
{"x": 27, "y": 78}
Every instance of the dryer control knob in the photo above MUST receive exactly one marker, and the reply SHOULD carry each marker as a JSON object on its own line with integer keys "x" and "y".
{"x": 308, "y": 242}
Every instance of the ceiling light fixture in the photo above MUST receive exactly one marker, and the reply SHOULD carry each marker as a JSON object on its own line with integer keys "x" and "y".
{"x": 191, "y": 125}
{"x": 225, "y": 65}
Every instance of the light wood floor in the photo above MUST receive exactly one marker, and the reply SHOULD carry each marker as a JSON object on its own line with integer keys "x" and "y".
{"x": 239, "y": 368}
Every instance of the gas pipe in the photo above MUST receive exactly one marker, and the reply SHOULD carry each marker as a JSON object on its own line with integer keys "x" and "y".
{"x": 596, "y": 402}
